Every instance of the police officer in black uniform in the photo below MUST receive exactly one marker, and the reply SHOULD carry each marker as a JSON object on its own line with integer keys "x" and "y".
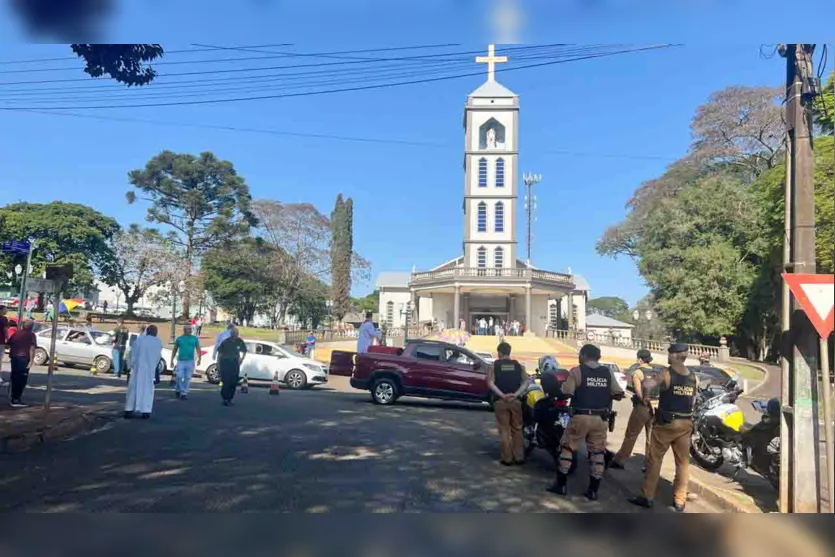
{"x": 672, "y": 429}
{"x": 592, "y": 387}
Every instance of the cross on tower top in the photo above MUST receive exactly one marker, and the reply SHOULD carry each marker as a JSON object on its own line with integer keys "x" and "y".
{"x": 491, "y": 60}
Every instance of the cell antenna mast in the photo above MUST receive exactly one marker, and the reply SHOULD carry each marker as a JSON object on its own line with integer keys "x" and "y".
{"x": 530, "y": 205}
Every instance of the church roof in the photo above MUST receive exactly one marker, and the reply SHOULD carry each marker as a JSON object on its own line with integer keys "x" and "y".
{"x": 597, "y": 320}
{"x": 580, "y": 283}
{"x": 493, "y": 89}
{"x": 393, "y": 280}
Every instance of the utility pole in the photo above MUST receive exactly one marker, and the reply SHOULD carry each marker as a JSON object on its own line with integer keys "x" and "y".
{"x": 530, "y": 181}
{"x": 802, "y": 415}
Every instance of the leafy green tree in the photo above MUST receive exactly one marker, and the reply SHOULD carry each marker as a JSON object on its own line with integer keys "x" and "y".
{"x": 126, "y": 63}
{"x": 610, "y": 306}
{"x": 63, "y": 233}
{"x": 824, "y": 109}
{"x": 341, "y": 256}
{"x": 137, "y": 261}
{"x": 367, "y": 303}
{"x": 310, "y": 305}
{"x": 239, "y": 276}
{"x": 203, "y": 199}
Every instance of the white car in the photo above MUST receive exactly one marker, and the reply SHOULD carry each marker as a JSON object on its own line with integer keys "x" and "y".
{"x": 265, "y": 359}
{"x": 620, "y": 376}
{"x": 486, "y": 356}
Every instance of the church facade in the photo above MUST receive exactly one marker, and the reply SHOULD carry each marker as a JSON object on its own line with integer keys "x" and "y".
{"x": 488, "y": 279}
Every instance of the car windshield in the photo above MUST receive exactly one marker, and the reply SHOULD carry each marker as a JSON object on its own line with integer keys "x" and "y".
{"x": 100, "y": 338}
{"x": 290, "y": 350}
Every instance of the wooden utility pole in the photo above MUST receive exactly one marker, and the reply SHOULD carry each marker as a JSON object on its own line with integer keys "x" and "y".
{"x": 802, "y": 415}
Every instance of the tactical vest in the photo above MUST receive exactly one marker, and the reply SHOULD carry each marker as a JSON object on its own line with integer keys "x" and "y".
{"x": 681, "y": 396}
{"x": 649, "y": 386}
{"x": 508, "y": 375}
{"x": 594, "y": 391}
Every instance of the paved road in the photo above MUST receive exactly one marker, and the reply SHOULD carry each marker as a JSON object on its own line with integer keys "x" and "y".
{"x": 312, "y": 451}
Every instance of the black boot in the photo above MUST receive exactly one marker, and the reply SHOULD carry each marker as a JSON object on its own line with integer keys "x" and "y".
{"x": 641, "y": 501}
{"x": 591, "y": 492}
{"x": 560, "y": 486}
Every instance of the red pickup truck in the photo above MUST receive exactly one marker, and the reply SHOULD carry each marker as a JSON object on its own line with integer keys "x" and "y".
{"x": 424, "y": 368}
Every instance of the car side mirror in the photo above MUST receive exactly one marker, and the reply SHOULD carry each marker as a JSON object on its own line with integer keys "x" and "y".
{"x": 476, "y": 365}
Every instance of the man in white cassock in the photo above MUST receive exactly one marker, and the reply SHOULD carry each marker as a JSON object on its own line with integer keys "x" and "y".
{"x": 144, "y": 358}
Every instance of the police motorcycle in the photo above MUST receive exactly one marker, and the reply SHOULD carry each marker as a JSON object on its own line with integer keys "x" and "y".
{"x": 720, "y": 433}
{"x": 545, "y": 410}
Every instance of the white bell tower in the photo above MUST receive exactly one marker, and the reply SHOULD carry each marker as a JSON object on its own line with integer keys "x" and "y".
{"x": 491, "y": 124}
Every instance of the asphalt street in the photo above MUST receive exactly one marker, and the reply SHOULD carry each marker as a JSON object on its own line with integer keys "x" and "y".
{"x": 324, "y": 450}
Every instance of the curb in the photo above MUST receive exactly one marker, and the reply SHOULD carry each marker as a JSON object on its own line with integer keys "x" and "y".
{"x": 82, "y": 422}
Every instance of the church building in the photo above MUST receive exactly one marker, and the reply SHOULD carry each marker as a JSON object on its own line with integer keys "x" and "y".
{"x": 488, "y": 279}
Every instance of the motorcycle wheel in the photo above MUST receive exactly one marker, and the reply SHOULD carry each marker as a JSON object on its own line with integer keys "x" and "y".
{"x": 703, "y": 457}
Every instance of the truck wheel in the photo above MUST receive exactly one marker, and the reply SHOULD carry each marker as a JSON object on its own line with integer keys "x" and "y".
{"x": 384, "y": 391}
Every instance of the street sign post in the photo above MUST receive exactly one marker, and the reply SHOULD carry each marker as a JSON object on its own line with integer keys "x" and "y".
{"x": 816, "y": 296}
{"x": 19, "y": 247}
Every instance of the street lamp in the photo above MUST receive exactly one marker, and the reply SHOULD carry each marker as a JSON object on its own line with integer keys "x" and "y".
{"x": 406, "y": 314}
{"x": 329, "y": 305}
{"x": 181, "y": 288}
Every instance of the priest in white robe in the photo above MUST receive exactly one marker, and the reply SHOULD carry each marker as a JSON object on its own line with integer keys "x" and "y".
{"x": 144, "y": 358}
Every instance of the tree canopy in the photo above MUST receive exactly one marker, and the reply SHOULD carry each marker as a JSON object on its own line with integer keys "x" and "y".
{"x": 138, "y": 260}
{"x": 126, "y": 63}
{"x": 63, "y": 233}
{"x": 238, "y": 275}
{"x": 203, "y": 199}
{"x": 341, "y": 249}
{"x": 610, "y": 306}
{"x": 707, "y": 235}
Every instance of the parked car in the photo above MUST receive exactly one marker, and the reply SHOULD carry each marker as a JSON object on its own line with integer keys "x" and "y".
{"x": 76, "y": 346}
{"x": 430, "y": 369}
{"x": 264, "y": 360}
{"x": 620, "y": 376}
{"x": 164, "y": 365}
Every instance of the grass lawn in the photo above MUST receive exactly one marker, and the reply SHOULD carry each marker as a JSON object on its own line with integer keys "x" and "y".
{"x": 746, "y": 371}
{"x": 246, "y": 332}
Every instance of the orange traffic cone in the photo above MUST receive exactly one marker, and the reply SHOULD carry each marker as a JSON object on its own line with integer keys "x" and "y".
{"x": 274, "y": 387}
{"x": 244, "y": 385}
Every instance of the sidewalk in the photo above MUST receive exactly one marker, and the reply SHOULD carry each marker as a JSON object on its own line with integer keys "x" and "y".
{"x": 748, "y": 493}
{"x": 80, "y": 403}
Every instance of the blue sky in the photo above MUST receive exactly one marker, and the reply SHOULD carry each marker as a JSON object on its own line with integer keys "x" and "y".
{"x": 594, "y": 129}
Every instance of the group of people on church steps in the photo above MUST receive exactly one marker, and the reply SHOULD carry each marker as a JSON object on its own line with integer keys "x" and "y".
{"x": 662, "y": 407}
{"x": 487, "y": 326}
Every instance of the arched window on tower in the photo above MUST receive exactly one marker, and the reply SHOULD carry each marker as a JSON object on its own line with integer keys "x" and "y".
{"x": 498, "y": 258}
{"x": 500, "y": 172}
{"x": 390, "y": 313}
{"x": 482, "y": 217}
{"x": 482, "y": 257}
{"x": 499, "y": 217}
{"x": 482, "y": 173}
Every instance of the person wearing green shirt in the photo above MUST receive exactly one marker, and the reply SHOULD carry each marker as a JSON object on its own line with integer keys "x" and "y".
{"x": 230, "y": 355}
{"x": 186, "y": 350}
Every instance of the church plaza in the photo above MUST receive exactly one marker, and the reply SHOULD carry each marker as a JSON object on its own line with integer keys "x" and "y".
{"x": 488, "y": 280}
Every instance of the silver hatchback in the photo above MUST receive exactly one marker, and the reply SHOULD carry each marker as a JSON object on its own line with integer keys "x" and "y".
{"x": 76, "y": 346}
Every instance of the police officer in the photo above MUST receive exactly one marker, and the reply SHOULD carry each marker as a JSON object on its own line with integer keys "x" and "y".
{"x": 644, "y": 401}
{"x": 673, "y": 428}
{"x": 592, "y": 388}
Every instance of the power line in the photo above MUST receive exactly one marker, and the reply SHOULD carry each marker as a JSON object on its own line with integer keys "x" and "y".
{"x": 265, "y": 131}
{"x": 288, "y": 82}
{"x": 168, "y": 52}
{"x": 269, "y": 68}
{"x": 161, "y": 82}
{"x": 270, "y": 56}
{"x": 345, "y": 89}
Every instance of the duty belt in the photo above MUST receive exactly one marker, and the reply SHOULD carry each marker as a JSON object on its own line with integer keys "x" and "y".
{"x": 677, "y": 416}
{"x": 583, "y": 412}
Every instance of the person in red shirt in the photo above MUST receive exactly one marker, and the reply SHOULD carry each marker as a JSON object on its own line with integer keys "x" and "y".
{"x": 21, "y": 353}
{"x": 4, "y": 330}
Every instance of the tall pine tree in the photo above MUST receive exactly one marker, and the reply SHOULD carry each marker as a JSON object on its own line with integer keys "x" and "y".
{"x": 341, "y": 251}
